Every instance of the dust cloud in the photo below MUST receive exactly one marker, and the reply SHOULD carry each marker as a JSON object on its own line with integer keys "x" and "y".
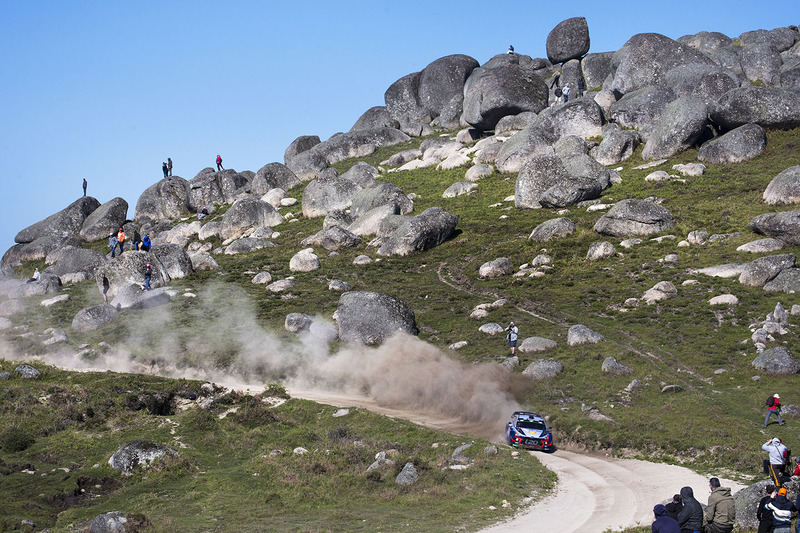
{"x": 217, "y": 337}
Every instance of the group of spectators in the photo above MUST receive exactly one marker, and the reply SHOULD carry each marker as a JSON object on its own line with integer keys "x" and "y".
{"x": 684, "y": 514}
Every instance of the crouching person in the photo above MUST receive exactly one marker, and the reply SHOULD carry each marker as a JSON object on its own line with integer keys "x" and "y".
{"x": 721, "y": 512}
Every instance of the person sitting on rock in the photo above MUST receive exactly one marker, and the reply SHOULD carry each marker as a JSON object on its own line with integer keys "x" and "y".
{"x": 663, "y": 523}
{"x": 146, "y": 243}
{"x": 691, "y": 516}
{"x": 510, "y": 49}
{"x": 35, "y": 276}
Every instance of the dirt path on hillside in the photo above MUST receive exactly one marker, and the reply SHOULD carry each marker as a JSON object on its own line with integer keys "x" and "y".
{"x": 595, "y": 493}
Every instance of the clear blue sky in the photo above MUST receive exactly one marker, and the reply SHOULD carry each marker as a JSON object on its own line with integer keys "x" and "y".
{"x": 109, "y": 90}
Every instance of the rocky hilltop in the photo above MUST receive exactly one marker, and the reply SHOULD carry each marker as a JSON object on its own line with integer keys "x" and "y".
{"x": 606, "y": 159}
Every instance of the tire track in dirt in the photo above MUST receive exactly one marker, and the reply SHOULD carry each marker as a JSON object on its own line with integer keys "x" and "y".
{"x": 563, "y": 319}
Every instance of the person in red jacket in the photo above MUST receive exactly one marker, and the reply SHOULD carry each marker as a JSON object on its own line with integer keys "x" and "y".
{"x": 774, "y": 409}
{"x": 219, "y": 163}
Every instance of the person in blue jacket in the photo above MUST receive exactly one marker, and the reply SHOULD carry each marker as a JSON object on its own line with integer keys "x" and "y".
{"x": 146, "y": 242}
{"x": 663, "y": 523}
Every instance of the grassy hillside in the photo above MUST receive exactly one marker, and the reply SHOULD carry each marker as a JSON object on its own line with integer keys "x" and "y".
{"x": 713, "y": 425}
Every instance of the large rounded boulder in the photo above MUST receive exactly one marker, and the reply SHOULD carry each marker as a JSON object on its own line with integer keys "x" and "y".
{"x": 323, "y": 195}
{"x": 536, "y": 177}
{"x": 630, "y": 218}
{"x": 679, "y": 127}
{"x": 93, "y": 318}
{"x": 382, "y": 193}
{"x": 274, "y": 176}
{"x": 247, "y": 215}
{"x": 375, "y": 117}
{"x": 641, "y": 108}
{"x": 167, "y": 199}
{"x": 770, "y": 107}
{"x": 67, "y": 223}
{"x": 784, "y": 226}
{"x": 427, "y": 230}
{"x": 298, "y": 146}
{"x": 738, "y": 145}
{"x": 568, "y": 40}
{"x": 647, "y": 57}
{"x": 372, "y": 317}
{"x": 491, "y": 94}
{"x": 443, "y": 80}
{"x": 784, "y": 188}
{"x": 778, "y": 361}
{"x": 103, "y": 220}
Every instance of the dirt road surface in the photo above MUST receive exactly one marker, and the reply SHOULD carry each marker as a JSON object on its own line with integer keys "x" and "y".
{"x": 595, "y": 493}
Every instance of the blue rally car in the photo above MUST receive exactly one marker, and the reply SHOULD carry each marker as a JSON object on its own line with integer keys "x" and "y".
{"x": 529, "y": 430}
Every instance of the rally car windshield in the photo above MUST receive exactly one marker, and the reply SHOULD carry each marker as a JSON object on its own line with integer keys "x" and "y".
{"x": 531, "y": 424}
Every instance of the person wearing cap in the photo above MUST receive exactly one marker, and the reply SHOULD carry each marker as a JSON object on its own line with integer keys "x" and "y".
{"x": 720, "y": 514}
{"x": 774, "y": 409}
{"x": 777, "y": 455}
{"x": 664, "y": 523}
{"x": 512, "y": 334}
{"x": 782, "y": 510}
{"x": 148, "y": 273}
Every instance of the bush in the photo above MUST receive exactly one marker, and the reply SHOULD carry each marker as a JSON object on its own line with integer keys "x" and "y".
{"x": 16, "y": 439}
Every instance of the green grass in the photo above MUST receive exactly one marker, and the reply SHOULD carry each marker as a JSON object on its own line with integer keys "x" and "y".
{"x": 237, "y": 469}
{"x": 714, "y": 424}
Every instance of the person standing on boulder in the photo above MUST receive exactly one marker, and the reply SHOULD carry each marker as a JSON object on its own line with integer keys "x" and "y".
{"x": 121, "y": 240}
{"x": 84, "y": 186}
{"x": 565, "y": 92}
{"x": 106, "y": 286}
{"x": 511, "y": 336}
{"x": 774, "y": 408}
{"x": 112, "y": 243}
{"x": 169, "y": 166}
{"x": 164, "y": 169}
{"x": 137, "y": 239}
{"x": 777, "y": 457}
{"x": 148, "y": 273}
{"x": 581, "y": 87}
{"x": 721, "y": 512}
{"x": 219, "y": 163}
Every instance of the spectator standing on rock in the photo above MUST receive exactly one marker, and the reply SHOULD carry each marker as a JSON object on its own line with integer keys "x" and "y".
{"x": 164, "y": 169}
{"x": 112, "y": 243}
{"x": 121, "y": 240}
{"x": 663, "y": 523}
{"x": 581, "y": 87}
{"x": 763, "y": 514}
{"x": 777, "y": 457}
{"x": 691, "y": 516}
{"x": 137, "y": 239}
{"x": 512, "y": 334}
{"x": 219, "y": 163}
{"x": 169, "y": 166}
{"x": 84, "y": 186}
{"x": 148, "y": 273}
{"x": 106, "y": 286}
{"x": 565, "y": 91}
{"x": 782, "y": 510}
{"x": 773, "y": 408}
{"x": 146, "y": 242}
{"x": 721, "y": 512}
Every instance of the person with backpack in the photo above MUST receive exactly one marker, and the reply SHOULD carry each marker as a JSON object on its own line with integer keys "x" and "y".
{"x": 773, "y": 408}
{"x": 778, "y": 455}
{"x": 691, "y": 516}
{"x": 720, "y": 513}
